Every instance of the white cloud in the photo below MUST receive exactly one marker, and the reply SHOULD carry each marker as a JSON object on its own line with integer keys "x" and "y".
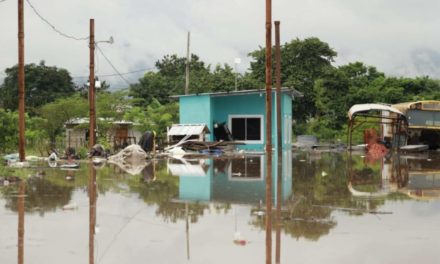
{"x": 397, "y": 36}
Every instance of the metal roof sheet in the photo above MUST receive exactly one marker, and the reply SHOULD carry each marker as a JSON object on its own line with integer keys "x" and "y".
{"x": 293, "y": 92}
{"x": 85, "y": 120}
{"x": 188, "y": 129}
{"x": 186, "y": 170}
{"x": 368, "y": 107}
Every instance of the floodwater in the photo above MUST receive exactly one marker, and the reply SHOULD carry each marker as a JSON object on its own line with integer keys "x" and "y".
{"x": 326, "y": 208}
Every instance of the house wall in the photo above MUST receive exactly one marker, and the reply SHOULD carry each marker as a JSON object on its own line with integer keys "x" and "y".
{"x": 286, "y": 121}
{"x": 253, "y": 104}
{"x": 76, "y": 137}
{"x": 196, "y": 110}
{"x": 119, "y": 132}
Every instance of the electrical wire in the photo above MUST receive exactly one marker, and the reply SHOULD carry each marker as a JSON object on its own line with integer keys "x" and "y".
{"x": 116, "y": 74}
{"x": 111, "y": 64}
{"x": 52, "y": 26}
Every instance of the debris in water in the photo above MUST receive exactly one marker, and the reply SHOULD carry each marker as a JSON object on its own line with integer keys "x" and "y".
{"x": 239, "y": 240}
{"x": 71, "y": 206}
{"x": 259, "y": 213}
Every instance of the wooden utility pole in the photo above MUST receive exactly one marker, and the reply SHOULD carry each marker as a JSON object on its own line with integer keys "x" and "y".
{"x": 279, "y": 142}
{"x": 21, "y": 92}
{"x": 92, "y": 114}
{"x": 188, "y": 59}
{"x": 278, "y": 83}
{"x": 268, "y": 131}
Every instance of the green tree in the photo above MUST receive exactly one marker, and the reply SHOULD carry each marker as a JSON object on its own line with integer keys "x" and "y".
{"x": 302, "y": 62}
{"x": 151, "y": 85}
{"x": 57, "y": 113}
{"x": 112, "y": 105}
{"x": 43, "y": 84}
{"x": 156, "y": 117}
{"x": 170, "y": 79}
{"x": 9, "y": 130}
{"x": 223, "y": 78}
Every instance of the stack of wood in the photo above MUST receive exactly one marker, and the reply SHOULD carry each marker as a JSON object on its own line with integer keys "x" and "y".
{"x": 203, "y": 145}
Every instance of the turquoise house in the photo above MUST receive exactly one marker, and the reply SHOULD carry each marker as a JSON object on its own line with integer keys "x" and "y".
{"x": 243, "y": 112}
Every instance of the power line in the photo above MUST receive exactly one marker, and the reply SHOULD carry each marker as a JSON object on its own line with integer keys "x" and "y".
{"x": 52, "y": 26}
{"x": 111, "y": 64}
{"x": 116, "y": 74}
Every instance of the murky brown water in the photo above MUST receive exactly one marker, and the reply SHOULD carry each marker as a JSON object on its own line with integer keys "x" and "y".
{"x": 327, "y": 208}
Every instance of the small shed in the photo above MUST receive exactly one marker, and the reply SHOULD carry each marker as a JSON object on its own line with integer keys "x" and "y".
{"x": 189, "y": 131}
{"x": 77, "y": 132}
{"x": 120, "y": 134}
{"x": 242, "y": 112}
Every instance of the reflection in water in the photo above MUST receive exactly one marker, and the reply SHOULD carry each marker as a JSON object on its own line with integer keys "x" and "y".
{"x": 423, "y": 177}
{"x": 92, "y": 213}
{"x": 149, "y": 172}
{"x": 42, "y": 195}
{"x": 417, "y": 176}
{"x": 187, "y": 230}
{"x": 239, "y": 180}
{"x": 20, "y": 206}
{"x": 229, "y": 180}
{"x": 278, "y": 210}
{"x": 269, "y": 207}
{"x": 316, "y": 202}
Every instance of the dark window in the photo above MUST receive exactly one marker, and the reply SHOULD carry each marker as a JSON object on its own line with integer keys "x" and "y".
{"x": 239, "y": 128}
{"x": 249, "y": 167}
{"x": 246, "y": 128}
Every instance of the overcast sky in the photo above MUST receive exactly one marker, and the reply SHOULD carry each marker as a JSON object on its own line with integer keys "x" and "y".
{"x": 399, "y": 37}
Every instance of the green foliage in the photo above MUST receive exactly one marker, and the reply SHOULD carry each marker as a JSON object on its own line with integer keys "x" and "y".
{"x": 152, "y": 85}
{"x": 322, "y": 128}
{"x": 43, "y": 84}
{"x": 55, "y": 114}
{"x": 8, "y": 131}
{"x": 223, "y": 78}
{"x": 112, "y": 105}
{"x": 170, "y": 80}
{"x": 302, "y": 62}
{"x": 156, "y": 117}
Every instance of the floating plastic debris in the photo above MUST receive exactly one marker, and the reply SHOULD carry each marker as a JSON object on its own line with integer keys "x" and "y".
{"x": 239, "y": 239}
{"x": 71, "y": 206}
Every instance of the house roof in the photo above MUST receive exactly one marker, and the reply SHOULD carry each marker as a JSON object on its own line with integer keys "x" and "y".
{"x": 188, "y": 129}
{"x": 293, "y": 93}
{"x": 85, "y": 120}
{"x": 431, "y": 105}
